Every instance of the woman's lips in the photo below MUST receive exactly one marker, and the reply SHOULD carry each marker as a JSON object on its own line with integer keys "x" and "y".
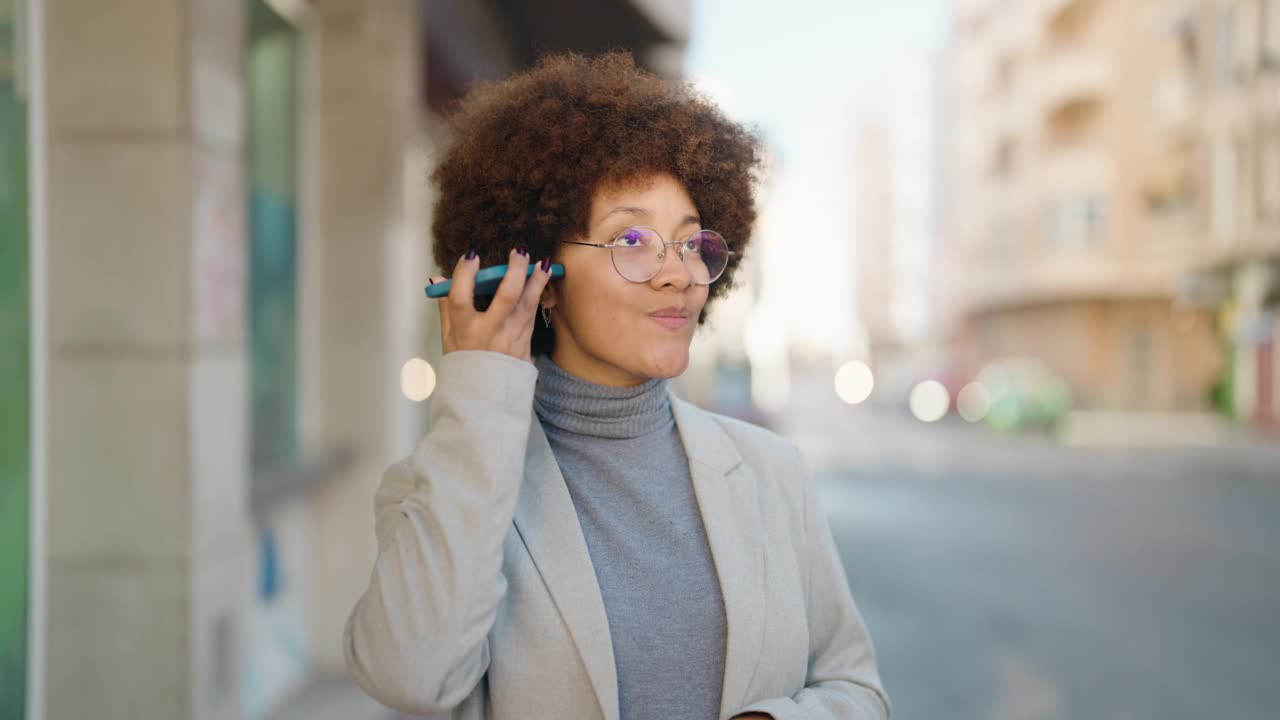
{"x": 671, "y": 322}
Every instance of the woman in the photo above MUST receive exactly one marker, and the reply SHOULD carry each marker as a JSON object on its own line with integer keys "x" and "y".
{"x": 570, "y": 540}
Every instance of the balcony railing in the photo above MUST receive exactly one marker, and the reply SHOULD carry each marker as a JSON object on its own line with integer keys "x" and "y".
{"x": 1066, "y": 77}
{"x": 1174, "y": 102}
{"x": 1052, "y": 10}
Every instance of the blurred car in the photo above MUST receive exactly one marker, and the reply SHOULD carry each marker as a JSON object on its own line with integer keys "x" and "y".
{"x": 1024, "y": 394}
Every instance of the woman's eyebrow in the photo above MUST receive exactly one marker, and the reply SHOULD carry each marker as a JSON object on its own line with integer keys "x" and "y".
{"x": 630, "y": 210}
{"x": 644, "y": 213}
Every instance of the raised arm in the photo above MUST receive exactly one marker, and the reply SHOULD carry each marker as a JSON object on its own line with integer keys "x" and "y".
{"x": 416, "y": 640}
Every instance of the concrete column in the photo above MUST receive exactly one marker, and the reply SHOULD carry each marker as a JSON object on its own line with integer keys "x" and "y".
{"x": 147, "y": 454}
{"x": 362, "y": 256}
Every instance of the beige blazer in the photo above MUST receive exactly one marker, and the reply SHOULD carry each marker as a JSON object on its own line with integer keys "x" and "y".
{"x": 483, "y": 599}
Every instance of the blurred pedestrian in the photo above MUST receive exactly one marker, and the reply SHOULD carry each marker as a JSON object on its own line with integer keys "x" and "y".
{"x": 570, "y": 539}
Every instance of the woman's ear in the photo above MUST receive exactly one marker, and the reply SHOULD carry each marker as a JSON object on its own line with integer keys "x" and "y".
{"x": 548, "y": 298}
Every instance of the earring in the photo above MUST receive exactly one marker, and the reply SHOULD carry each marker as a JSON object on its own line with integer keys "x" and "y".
{"x": 546, "y": 317}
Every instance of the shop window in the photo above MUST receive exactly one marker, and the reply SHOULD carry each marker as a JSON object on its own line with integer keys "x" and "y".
{"x": 272, "y": 69}
{"x": 15, "y": 375}
{"x": 1141, "y": 365}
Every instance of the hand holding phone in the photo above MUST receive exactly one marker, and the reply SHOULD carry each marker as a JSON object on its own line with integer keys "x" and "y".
{"x": 488, "y": 279}
{"x": 505, "y": 325}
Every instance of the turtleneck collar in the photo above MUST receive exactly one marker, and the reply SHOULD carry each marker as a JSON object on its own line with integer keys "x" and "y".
{"x": 568, "y": 402}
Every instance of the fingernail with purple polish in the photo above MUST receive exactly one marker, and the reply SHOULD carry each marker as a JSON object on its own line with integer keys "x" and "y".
{"x": 522, "y": 250}
{"x": 545, "y": 264}
{"x": 471, "y": 254}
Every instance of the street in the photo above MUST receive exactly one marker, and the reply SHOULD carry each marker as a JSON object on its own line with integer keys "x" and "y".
{"x": 1012, "y": 579}
{"x": 1015, "y": 580}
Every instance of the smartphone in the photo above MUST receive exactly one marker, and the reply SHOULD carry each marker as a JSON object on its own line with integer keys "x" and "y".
{"x": 488, "y": 279}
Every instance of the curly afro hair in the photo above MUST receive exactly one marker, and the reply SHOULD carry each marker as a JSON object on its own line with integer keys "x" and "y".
{"x": 526, "y": 155}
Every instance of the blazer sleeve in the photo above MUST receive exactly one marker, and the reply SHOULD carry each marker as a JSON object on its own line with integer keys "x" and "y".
{"x": 842, "y": 681}
{"x": 417, "y": 638}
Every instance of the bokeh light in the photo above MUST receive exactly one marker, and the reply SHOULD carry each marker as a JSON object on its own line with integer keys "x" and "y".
{"x": 854, "y": 382}
{"x": 929, "y": 401}
{"x": 973, "y": 402}
{"x": 417, "y": 379}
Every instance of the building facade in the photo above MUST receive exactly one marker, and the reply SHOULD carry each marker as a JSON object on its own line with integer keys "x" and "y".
{"x": 216, "y": 235}
{"x": 1235, "y": 267}
{"x": 900, "y": 234}
{"x": 1075, "y": 199}
{"x": 224, "y": 189}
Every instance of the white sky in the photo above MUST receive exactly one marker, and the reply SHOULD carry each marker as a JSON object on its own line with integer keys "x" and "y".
{"x": 796, "y": 69}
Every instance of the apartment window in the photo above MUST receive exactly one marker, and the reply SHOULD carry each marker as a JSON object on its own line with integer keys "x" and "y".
{"x": 1246, "y": 38}
{"x": 1001, "y": 238}
{"x": 1223, "y": 214}
{"x": 1268, "y": 185}
{"x": 1006, "y": 71}
{"x": 1245, "y": 162}
{"x": 1076, "y": 221}
{"x": 1073, "y": 122}
{"x": 1271, "y": 34}
{"x": 1004, "y": 161}
{"x": 1173, "y": 97}
{"x": 1170, "y": 214}
{"x": 1187, "y": 37}
{"x": 1224, "y": 48}
{"x": 974, "y": 24}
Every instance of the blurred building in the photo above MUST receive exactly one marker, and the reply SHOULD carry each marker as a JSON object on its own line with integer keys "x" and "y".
{"x": 1233, "y": 79}
{"x": 737, "y": 363}
{"x": 215, "y": 242}
{"x": 875, "y": 280}
{"x": 1075, "y": 155}
{"x": 898, "y": 181}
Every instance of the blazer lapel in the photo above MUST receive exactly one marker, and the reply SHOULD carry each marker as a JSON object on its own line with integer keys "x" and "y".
{"x": 548, "y": 525}
{"x": 728, "y": 500}
{"x": 725, "y": 488}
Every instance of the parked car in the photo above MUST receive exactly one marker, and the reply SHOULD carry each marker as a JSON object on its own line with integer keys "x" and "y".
{"x": 1025, "y": 394}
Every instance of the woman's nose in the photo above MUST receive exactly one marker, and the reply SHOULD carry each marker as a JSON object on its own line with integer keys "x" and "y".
{"x": 673, "y": 269}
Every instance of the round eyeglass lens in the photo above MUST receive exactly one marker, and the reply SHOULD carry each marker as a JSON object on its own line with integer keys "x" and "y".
{"x": 706, "y": 254}
{"x": 637, "y": 254}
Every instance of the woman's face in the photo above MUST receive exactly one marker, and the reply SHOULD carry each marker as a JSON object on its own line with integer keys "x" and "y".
{"x": 604, "y": 325}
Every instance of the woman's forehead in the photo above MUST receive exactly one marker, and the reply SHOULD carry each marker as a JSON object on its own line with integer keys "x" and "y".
{"x": 646, "y": 196}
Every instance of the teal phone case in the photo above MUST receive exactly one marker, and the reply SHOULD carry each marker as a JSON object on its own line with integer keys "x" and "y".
{"x": 488, "y": 279}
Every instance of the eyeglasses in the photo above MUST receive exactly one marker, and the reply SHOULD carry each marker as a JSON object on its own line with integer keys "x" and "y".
{"x": 638, "y": 253}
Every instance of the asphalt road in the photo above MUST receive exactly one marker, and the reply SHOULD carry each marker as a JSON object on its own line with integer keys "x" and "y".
{"x": 1024, "y": 581}
{"x": 1020, "y": 581}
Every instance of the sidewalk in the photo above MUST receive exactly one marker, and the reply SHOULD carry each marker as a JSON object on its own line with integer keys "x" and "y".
{"x": 336, "y": 697}
{"x": 864, "y": 439}
{"x": 1098, "y": 428}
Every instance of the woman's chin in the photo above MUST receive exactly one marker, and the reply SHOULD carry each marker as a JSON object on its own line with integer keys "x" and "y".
{"x": 667, "y": 362}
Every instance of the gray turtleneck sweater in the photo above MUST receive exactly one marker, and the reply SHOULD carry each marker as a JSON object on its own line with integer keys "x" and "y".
{"x": 623, "y": 461}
